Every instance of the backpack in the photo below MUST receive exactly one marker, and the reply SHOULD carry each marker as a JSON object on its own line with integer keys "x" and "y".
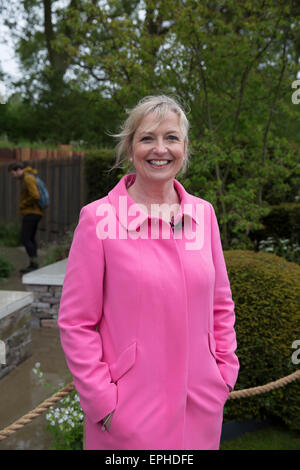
{"x": 44, "y": 200}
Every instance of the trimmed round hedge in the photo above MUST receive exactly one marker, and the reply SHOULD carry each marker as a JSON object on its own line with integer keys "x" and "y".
{"x": 266, "y": 292}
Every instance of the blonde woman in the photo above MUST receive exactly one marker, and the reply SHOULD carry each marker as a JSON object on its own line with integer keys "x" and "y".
{"x": 146, "y": 315}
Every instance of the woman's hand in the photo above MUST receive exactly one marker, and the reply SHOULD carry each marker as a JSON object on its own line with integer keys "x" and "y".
{"x": 106, "y": 421}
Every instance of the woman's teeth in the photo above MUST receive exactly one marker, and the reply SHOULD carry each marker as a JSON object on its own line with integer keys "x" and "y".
{"x": 159, "y": 162}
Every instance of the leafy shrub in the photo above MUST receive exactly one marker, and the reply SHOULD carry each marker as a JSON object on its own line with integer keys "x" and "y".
{"x": 10, "y": 234}
{"x": 59, "y": 250}
{"x": 65, "y": 420}
{"x": 283, "y": 222}
{"x": 66, "y": 423}
{"x": 266, "y": 292}
{"x": 281, "y": 247}
{"x": 5, "y": 268}
{"x": 99, "y": 180}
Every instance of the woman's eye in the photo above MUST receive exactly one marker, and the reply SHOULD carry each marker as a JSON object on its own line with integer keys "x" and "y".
{"x": 149, "y": 138}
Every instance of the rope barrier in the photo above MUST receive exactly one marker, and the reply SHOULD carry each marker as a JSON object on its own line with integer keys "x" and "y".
{"x": 248, "y": 392}
{"x": 63, "y": 392}
{"x": 6, "y": 432}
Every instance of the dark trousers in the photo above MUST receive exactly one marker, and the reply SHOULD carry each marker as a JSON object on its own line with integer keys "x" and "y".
{"x": 28, "y": 231}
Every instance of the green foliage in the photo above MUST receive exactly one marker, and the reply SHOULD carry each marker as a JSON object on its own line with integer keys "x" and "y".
{"x": 281, "y": 247}
{"x": 65, "y": 420}
{"x": 60, "y": 117}
{"x": 282, "y": 222}
{"x": 59, "y": 250}
{"x": 236, "y": 202}
{"x": 66, "y": 423}
{"x": 4, "y": 143}
{"x": 244, "y": 127}
{"x": 231, "y": 181}
{"x": 5, "y": 268}
{"x": 266, "y": 292}
{"x": 98, "y": 177}
{"x": 18, "y": 121}
{"x": 281, "y": 232}
{"x": 10, "y": 234}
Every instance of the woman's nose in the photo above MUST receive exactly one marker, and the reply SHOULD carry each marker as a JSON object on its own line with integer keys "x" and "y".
{"x": 160, "y": 148}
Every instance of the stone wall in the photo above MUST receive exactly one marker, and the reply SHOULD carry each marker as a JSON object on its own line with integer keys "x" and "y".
{"x": 15, "y": 332}
{"x": 46, "y": 286}
{"x": 44, "y": 308}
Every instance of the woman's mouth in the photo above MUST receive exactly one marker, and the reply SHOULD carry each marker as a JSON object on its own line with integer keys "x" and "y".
{"x": 159, "y": 163}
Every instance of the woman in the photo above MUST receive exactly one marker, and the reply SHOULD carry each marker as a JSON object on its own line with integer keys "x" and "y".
{"x": 146, "y": 315}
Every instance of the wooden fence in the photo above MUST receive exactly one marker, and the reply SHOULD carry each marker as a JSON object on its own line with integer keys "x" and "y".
{"x": 65, "y": 181}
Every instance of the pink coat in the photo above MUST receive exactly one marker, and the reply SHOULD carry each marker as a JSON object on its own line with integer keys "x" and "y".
{"x": 147, "y": 324}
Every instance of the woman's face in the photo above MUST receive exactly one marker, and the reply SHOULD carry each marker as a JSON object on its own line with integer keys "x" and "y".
{"x": 158, "y": 152}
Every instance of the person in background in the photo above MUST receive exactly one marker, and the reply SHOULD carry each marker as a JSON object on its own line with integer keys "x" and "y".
{"x": 30, "y": 210}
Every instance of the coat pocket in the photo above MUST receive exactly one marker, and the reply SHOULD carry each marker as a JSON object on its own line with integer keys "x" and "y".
{"x": 212, "y": 347}
{"x": 124, "y": 362}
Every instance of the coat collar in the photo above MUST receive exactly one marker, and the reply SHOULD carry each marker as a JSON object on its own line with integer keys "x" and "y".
{"x": 127, "y": 209}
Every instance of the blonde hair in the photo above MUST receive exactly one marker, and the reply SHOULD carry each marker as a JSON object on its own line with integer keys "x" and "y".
{"x": 160, "y": 105}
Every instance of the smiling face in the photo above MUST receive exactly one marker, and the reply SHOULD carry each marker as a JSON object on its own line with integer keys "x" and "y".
{"x": 158, "y": 148}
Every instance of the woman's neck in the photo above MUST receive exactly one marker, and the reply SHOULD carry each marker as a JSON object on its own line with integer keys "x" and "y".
{"x": 156, "y": 194}
{"x": 153, "y": 193}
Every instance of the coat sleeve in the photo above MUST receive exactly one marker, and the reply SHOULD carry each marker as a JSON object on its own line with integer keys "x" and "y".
{"x": 224, "y": 316}
{"x": 79, "y": 315}
{"x": 32, "y": 187}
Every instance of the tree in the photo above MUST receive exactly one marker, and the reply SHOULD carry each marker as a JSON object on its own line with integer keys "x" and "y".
{"x": 233, "y": 110}
{"x": 231, "y": 63}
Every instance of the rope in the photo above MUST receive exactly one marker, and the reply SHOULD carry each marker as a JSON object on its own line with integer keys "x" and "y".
{"x": 248, "y": 392}
{"x": 39, "y": 410}
{"x": 36, "y": 411}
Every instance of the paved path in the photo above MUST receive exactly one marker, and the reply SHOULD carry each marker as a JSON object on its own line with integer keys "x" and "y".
{"x": 20, "y": 390}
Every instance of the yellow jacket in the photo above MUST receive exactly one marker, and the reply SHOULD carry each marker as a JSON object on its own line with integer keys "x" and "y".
{"x": 29, "y": 193}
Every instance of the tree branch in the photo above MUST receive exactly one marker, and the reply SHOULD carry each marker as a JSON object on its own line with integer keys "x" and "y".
{"x": 245, "y": 76}
{"x": 271, "y": 113}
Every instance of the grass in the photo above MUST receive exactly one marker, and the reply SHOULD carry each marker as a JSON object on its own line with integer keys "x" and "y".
{"x": 276, "y": 437}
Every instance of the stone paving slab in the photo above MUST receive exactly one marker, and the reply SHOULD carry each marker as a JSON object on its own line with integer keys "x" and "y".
{"x": 51, "y": 275}
{"x": 10, "y": 301}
